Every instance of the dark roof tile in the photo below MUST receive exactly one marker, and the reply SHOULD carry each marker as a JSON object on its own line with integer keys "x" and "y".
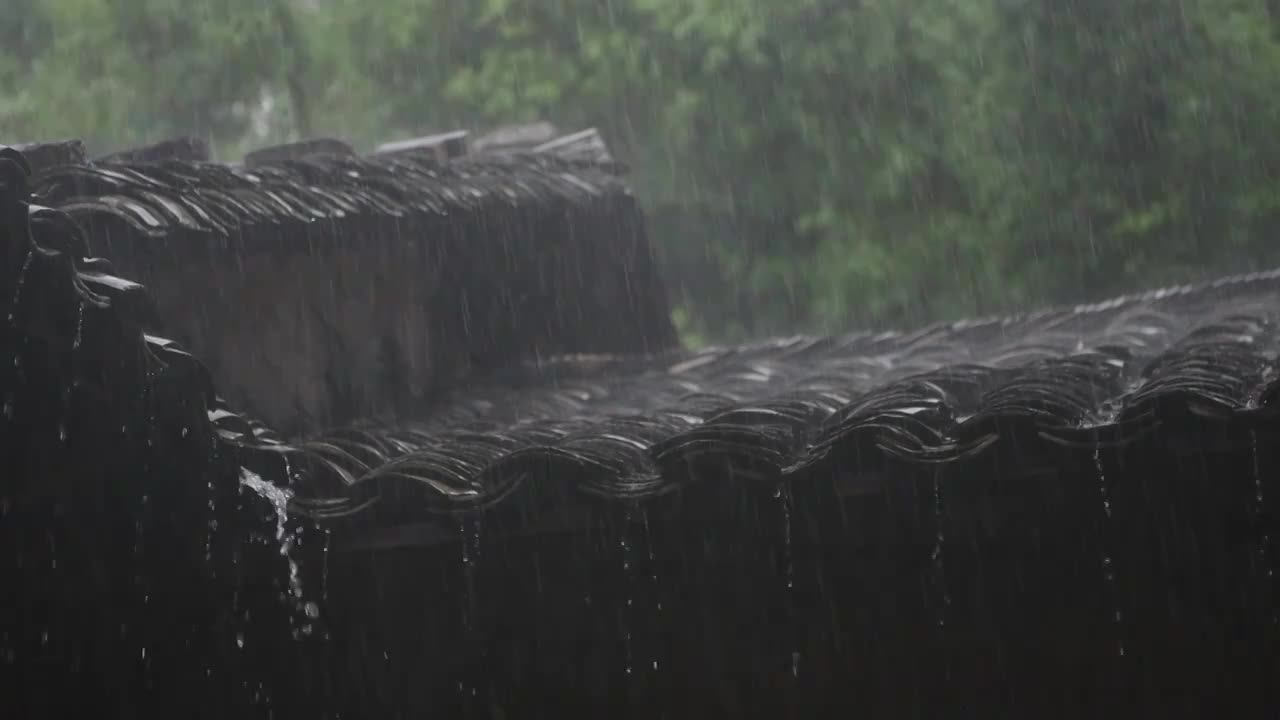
{"x": 1077, "y": 377}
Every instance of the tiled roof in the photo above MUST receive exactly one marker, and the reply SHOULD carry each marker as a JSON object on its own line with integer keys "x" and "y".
{"x": 828, "y": 597}
{"x": 1073, "y": 378}
{"x": 308, "y": 276}
{"x": 224, "y": 200}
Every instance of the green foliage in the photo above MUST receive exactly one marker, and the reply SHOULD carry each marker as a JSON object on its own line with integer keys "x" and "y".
{"x": 809, "y": 164}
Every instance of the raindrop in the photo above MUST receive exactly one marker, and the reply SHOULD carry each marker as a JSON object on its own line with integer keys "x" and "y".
{"x": 240, "y": 640}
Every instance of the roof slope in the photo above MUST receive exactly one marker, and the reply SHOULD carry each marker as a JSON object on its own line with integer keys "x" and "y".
{"x": 1077, "y": 377}
{"x": 311, "y": 279}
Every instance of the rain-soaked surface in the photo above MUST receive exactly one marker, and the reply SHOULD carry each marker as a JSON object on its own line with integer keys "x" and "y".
{"x": 598, "y": 415}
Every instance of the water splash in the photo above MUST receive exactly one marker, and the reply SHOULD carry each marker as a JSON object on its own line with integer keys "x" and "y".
{"x": 1108, "y": 566}
{"x": 280, "y": 498}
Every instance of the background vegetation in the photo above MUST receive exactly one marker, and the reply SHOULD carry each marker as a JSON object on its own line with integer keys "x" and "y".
{"x": 806, "y": 164}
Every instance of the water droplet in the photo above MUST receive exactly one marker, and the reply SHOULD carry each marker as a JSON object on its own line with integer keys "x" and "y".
{"x": 240, "y": 640}
{"x": 312, "y": 610}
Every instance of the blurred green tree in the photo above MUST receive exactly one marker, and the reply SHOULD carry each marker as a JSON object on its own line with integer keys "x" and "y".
{"x": 809, "y": 164}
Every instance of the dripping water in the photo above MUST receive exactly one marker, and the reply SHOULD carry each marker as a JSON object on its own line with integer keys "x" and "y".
{"x": 69, "y": 389}
{"x": 22, "y": 279}
{"x": 324, "y": 567}
{"x": 211, "y": 505}
{"x": 1264, "y": 539}
{"x": 782, "y": 493}
{"x": 79, "y": 336}
{"x": 17, "y": 380}
{"x": 624, "y": 543}
{"x": 469, "y": 530}
{"x": 939, "y": 567}
{"x": 654, "y": 587}
{"x": 1108, "y": 566}
{"x": 212, "y": 526}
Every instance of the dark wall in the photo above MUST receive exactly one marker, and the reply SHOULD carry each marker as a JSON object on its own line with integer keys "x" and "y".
{"x": 1001, "y": 587}
{"x": 136, "y": 569}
